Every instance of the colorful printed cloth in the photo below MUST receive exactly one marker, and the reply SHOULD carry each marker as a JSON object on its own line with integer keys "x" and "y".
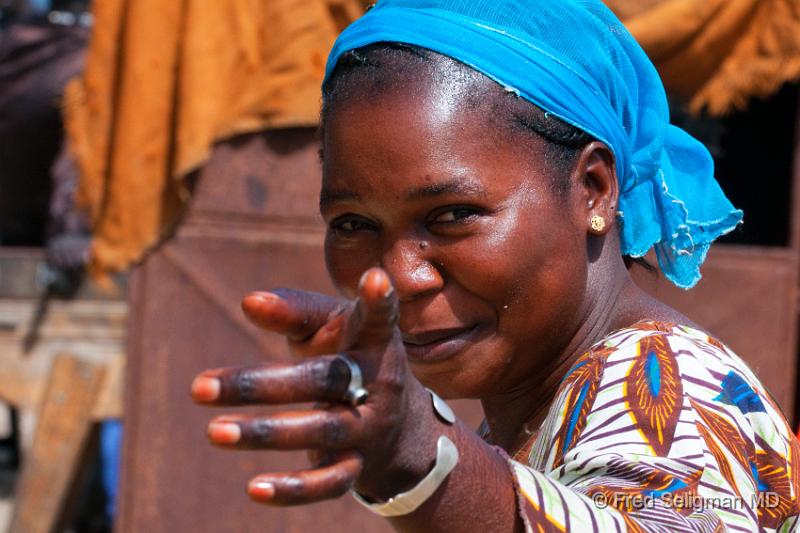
{"x": 660, "y": 428}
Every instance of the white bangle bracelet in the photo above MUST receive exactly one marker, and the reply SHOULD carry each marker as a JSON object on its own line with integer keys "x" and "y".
{"x": 446, "y": 460}
{"x": 408, "y": 502}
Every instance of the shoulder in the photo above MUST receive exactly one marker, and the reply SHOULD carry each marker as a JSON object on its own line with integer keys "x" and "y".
{"x": 658, "y": 363}
{"x": 654, "y": 351}
{"x": 651, "y": 381}
{"x": 671, "y": 396}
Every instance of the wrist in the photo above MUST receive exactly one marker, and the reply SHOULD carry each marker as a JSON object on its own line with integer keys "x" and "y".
{"x": 413, "y": 454}
{"x": 409, "y": 501}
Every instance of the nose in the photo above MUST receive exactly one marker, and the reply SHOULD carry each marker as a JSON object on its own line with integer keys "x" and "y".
{"x": 413, "y": 273}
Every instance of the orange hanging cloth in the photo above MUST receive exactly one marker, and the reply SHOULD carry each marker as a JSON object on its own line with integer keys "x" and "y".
{"x": 717, "y": 54}
{"x": 166, "y": 80}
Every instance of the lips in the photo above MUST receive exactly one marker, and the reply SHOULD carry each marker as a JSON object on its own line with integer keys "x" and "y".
{"x": 437, "y": 344}
{"x": 432, "y": 335}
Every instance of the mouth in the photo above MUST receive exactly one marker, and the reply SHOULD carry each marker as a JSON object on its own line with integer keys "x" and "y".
{"x": 437, "y": 344}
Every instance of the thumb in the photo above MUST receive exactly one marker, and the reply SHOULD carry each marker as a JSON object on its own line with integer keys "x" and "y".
{"x": 375, "y": 316}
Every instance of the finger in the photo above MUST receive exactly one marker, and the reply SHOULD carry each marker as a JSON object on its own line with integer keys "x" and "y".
{"x": 336, "y": 428}
{"x": 318, "y": 379}
{"x": 326, "y": 339}
{"x": 296, "y": 488}
{"x": 377, "y": 310}
{"x": 295, "y": 314}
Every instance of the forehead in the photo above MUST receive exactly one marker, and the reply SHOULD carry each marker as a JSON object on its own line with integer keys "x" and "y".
{"x": 424, "y": 131}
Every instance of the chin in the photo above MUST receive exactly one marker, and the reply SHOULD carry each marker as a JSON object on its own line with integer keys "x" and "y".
{"x": 456, "y": 381}
{"x": 469, "y": 367}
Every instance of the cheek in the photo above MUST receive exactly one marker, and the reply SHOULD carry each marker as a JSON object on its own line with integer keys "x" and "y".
{"x": 546, "y": 292}
{"x": 533, "y": 274}
{"x": 544, "y": 276}
{"x": 346, "y": 265}
{"x": 523, "y": 256}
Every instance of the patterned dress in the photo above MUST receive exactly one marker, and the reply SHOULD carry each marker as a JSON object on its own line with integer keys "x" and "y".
{"x": 660, "y": 428}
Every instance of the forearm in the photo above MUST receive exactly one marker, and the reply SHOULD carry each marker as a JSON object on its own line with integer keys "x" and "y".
{"x": 478, "y": 495}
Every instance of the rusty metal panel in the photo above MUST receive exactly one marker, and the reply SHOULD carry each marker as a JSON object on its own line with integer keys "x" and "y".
{"x": 253, "y": 224}
{"x": 748, "y": 299}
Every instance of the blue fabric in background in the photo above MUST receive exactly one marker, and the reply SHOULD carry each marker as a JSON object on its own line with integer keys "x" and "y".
{"x": 110, "y": 453}
{"x": 39, "y": 6}
{"x": 575, "y": 60}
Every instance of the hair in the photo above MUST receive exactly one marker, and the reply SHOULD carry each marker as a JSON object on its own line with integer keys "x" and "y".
{"x": 374, "y": 70}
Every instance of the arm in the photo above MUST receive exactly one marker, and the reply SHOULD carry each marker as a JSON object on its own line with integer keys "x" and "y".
{"x": 381, "y": 448}
{"x": 387, "y": 445}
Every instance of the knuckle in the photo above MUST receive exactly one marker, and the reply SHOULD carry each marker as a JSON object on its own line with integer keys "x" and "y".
{"x": 293, "y": 489}
{"x": 382, "y": 316}
{"x": 333, "y": 431}
{"x": 241, "y": 386}
{"x": 317, "y": 375}
{"x": 258, "y": 432}
{"x": 329, "y": 377}
{"x": 393, "y": 382}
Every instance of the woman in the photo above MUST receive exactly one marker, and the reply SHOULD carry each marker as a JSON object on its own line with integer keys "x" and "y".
{"x": 489, "y": 168}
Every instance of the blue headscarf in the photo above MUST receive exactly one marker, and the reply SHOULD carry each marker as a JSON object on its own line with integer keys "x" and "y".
{"x": 575, "y": 60}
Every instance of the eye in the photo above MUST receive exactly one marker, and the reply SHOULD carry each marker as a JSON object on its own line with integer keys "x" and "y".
{"x": 459, "y": 214}
{"x": 350, "y": 224}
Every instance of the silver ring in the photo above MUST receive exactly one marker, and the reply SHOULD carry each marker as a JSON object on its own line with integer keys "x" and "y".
{"x": 355, "y": 394}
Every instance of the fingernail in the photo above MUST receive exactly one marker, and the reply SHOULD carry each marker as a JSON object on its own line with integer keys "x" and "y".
{"x": 224, "y": 432}
{"x": 205, "y": 389}
{"x": 265, "y": 296}
{"x": 385, "y": 286}
{"x": 388, "y": 290}
{"x": 262, "y": 490}
{"x": 363, "y": 280}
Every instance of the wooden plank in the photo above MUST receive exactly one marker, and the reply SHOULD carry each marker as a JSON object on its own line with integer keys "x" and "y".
{"x": 55, "y": 457}
{"x": 109, "y": 402}
{"x": 21, "y": 276}
{"x": 94, "y": 330}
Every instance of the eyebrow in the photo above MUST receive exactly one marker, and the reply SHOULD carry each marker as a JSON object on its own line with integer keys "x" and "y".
{"x": 459, "y": 186}
{"x": 328, "y": 197}
{"x": 456, "y": 186}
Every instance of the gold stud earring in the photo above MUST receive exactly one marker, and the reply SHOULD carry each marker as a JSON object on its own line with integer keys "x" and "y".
{"x": 598, "y": 223}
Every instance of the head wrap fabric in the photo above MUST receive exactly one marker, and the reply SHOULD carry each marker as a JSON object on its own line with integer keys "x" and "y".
{"x": 575, "y": 60}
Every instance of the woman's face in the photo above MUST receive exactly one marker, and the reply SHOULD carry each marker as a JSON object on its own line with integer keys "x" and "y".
{"x": 489, "y": 263}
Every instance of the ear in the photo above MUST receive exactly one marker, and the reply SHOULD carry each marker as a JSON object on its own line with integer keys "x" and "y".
{"x": 598, "y": 188}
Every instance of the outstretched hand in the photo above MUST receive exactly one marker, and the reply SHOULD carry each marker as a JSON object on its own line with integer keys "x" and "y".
{"x": 344, "y": 441}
